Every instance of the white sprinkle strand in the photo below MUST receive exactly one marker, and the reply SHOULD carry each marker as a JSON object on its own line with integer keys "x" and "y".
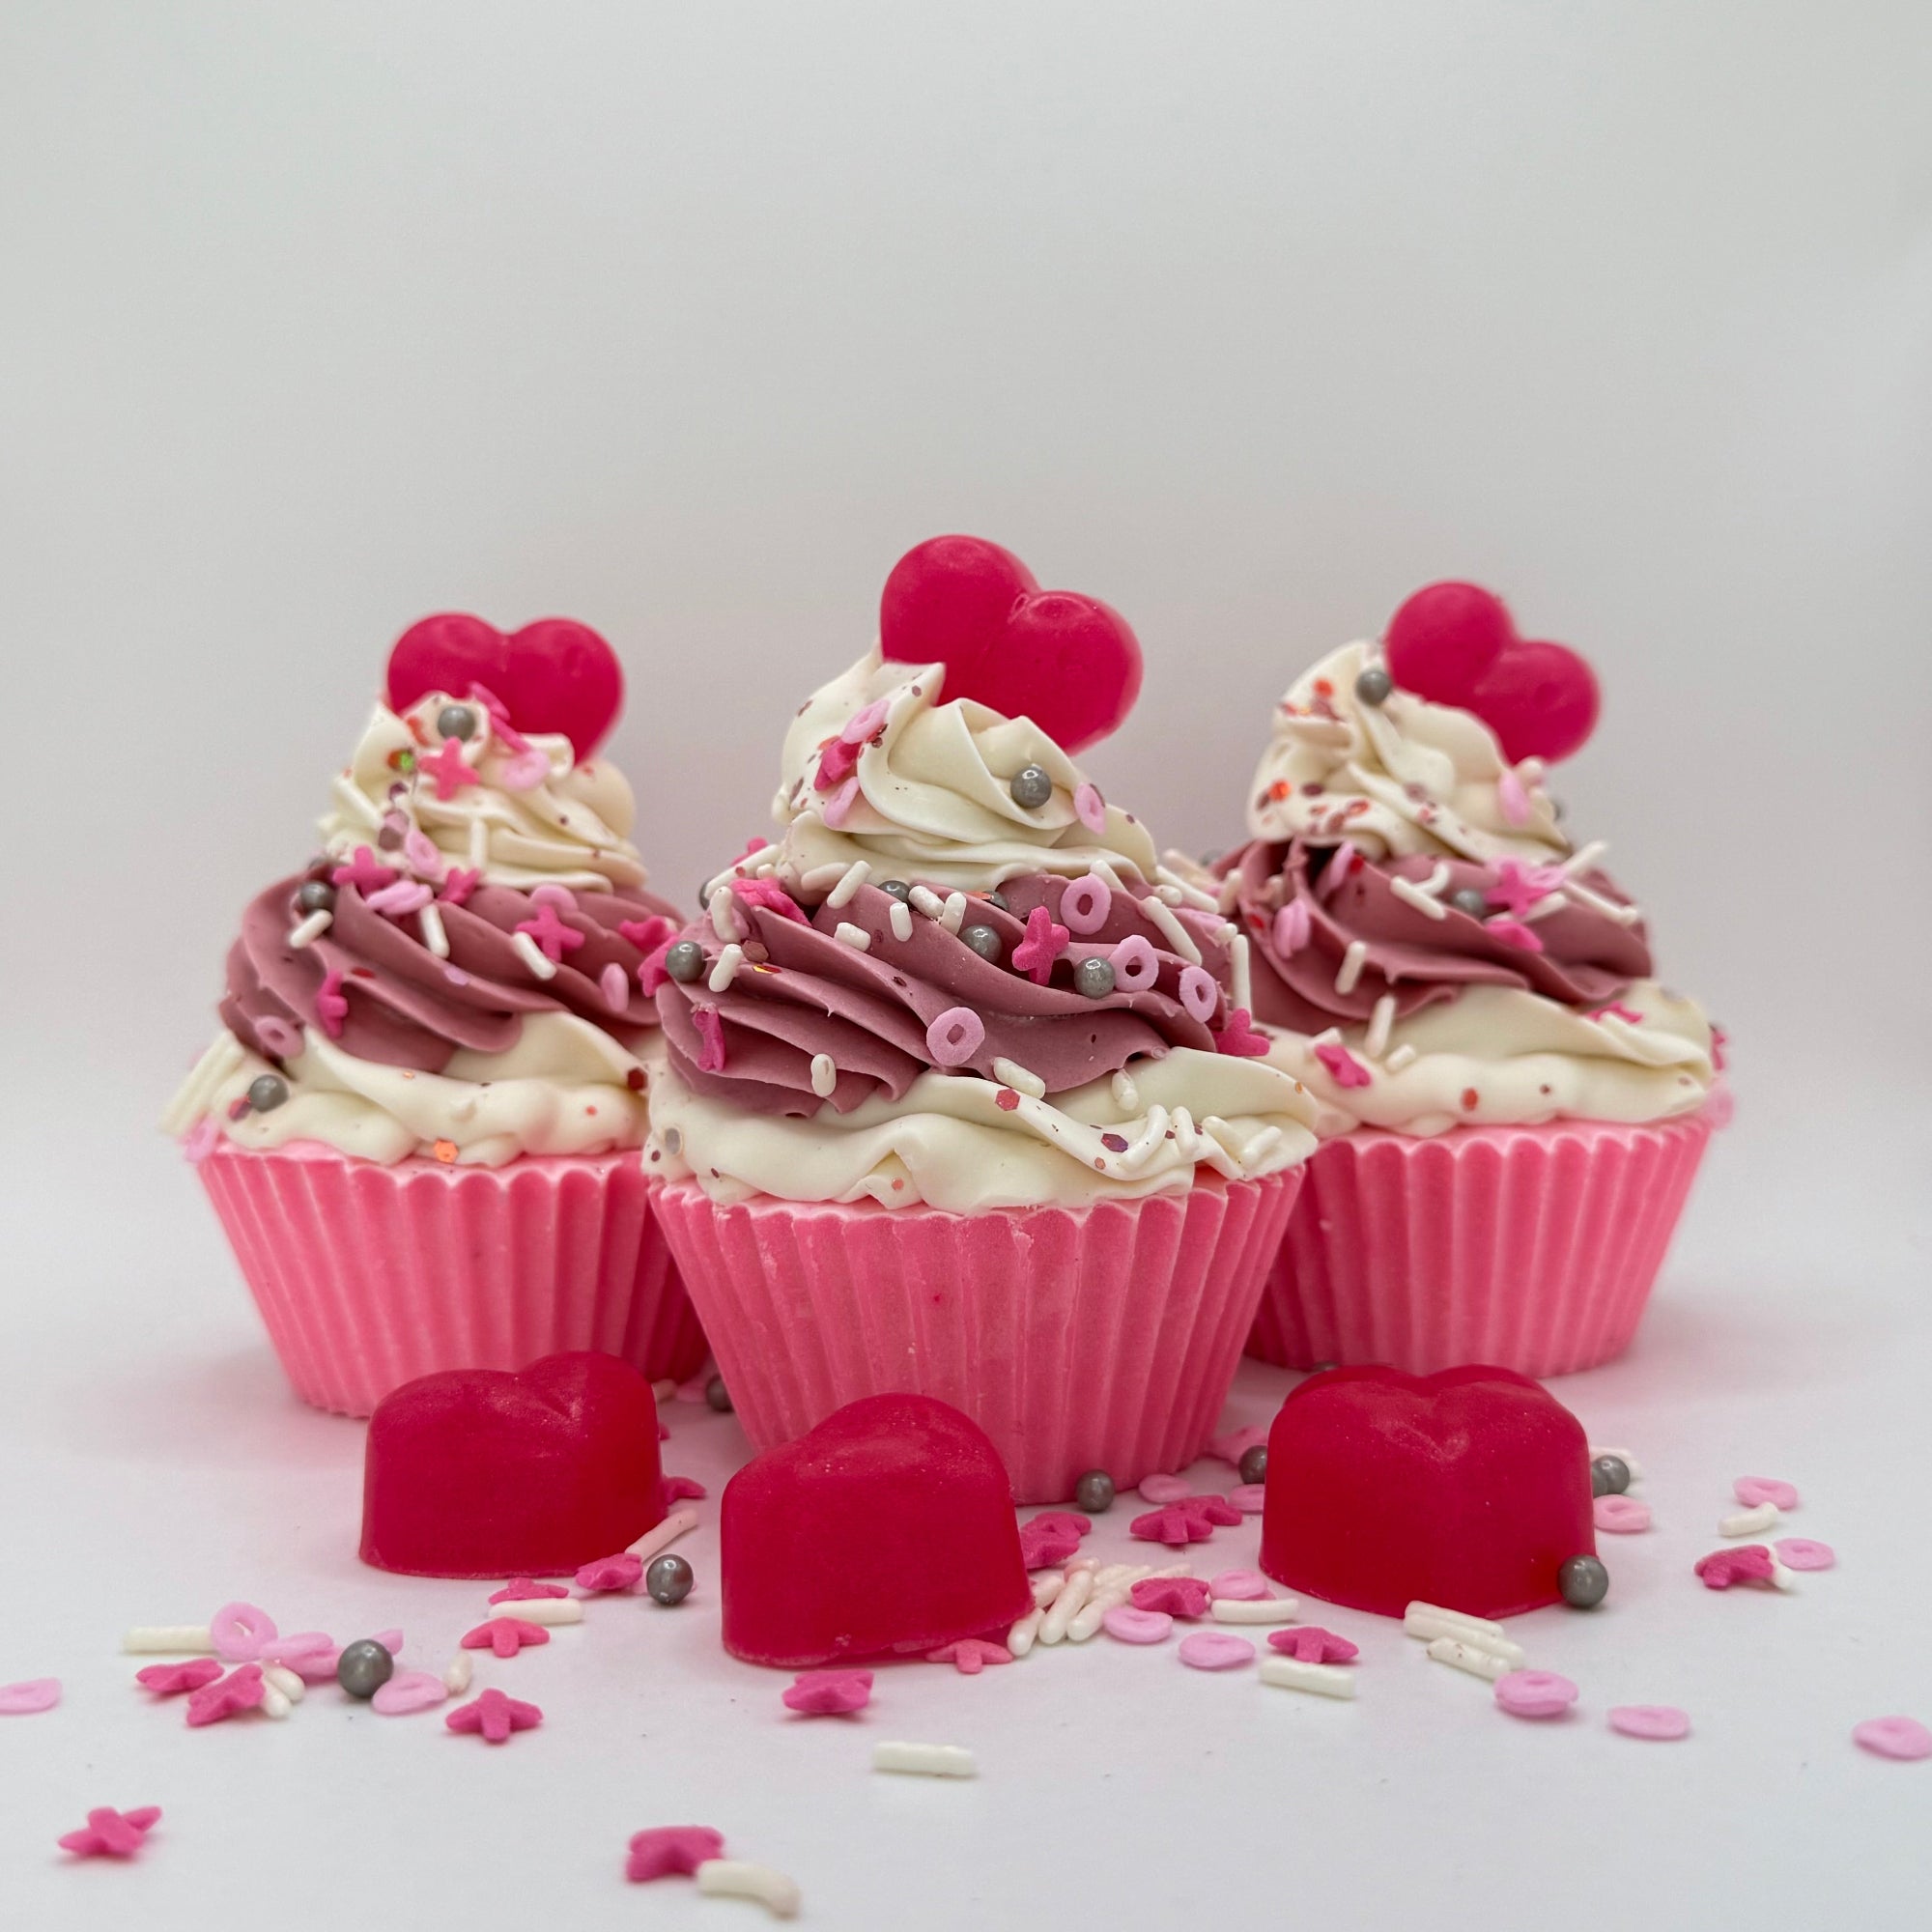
{"x": 548, "y": 1610}
{"x": 1463, "y": 1655}
{"x": 726, "y": 968}
{"x": 1178, "y": 939}
{"x": 1624, "y": 915}
{"x": 430, "y": 919}
{"x": 824, "y": 1075}
{"x": 1749, "y": 1522}
{"x": 1549, "y": 903}
{"x": 737, "y": 1878}
{"x": 1417, "y": 1613}
{"x": 1585, "y": 856}
{"x": 1377, "y": 1038}
{"x": 457, "y": 1673}
{"x": 1140, "y": 1151}
{"x": 273, "y": 1703}
{"x": 1126, "y": 1096}
{"x": 279, "y": 1677}
{"x": 924, "y": 901}
{"x": 1412, "y": 894}
{"x": 1292, "y": 1673}
{"x": 952, "y": 914}
{"x": 854, "y": 936}
{"x": 1019, "y": 1079}
{"x": 1024, "y": 1634}
{"x": 1403, "y": 1056}
{"x": 532, "y": 955}
{"x": 668, "y": 1532}
{"x": 926, "y": 1760}
{"x": 1239, "y": 996}
{"x": 1189, "y": 895}
{"x": 725, "y": 919}
{"x": 1065, "y": 1606}
{"x": 1257, "y": 1611}
{"x": 479, "y": 844}
{"x": 900, "y": 917}
{"x": 310, "y": 929}
{"x": 169, "y": 1640}
{"x": 850, "y": 880}
{"x": 1438, "y": 882}
{"x": 1353, "y": 962}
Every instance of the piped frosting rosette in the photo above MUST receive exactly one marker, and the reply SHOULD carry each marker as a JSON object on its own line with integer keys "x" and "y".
{"x": 1436, "y": 952}
{"x": 456, "y": 975}
{"x": 960, "y": 978}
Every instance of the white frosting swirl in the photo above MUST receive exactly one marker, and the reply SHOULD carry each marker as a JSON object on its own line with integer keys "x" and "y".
{"x": 564, "y": 1087}
{"x": 532, "y": 818}
{"x": 933, "y": 795}
{"x": 950, "y": 1143}
{"x": 1497, "y": 1056}
{"x": 1400, "y": 778}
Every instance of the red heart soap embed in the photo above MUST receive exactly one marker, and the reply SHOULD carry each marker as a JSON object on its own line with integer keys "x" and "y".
{"x": 1067, "y": 662}
{"x": 1468, "y": 1488}
{"x": 554, "y": 676}
{"x": 482, "y": 1472}
{"x": 887, "y": 1530}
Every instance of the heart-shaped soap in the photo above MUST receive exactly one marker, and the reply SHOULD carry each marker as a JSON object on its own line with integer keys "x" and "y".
{"x": 1468, "y": 1488}
{"x": 554, "y": 675}
{"x": 887, "y": 1530}
{"x": 1456, "y": 643}
{"x": 1067, "y": 662}
{"x": 482, "y": 1472}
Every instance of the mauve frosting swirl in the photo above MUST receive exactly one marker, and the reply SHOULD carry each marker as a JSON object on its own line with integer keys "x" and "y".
{"x": 802, "y": 992}
{"x": 405, "y": 1005}
{"x": 1582, "y": 944}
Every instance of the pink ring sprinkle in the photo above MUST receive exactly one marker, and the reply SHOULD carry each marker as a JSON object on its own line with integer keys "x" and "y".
{"x": 1904, "y": 1737}
{"x": 283, "y": 1040}
{"x": 1250, "y": 1498}
{"x": 1662, "y": 1723}
{"x": 1535, "y": 1693}
{"x": 1801, "y": 1553}
{"x": 1132, "y": 1626}
{"x": 1216, "y": 1650}
{"x": 29, "y": 1699}
{"x": 1136, "y": 964}
{"x": 1621, "y": 1516}
{"x": 956, "y": 1037}
{"x": 408, "y": 1692}
{"x": 1239, "y": 1586}
{"x": 1088, "y": 807}
{"x": 1158, "y": 1490}
{"x": 240, "y": 1631}
{"x": 1199, "y": 993}
{"x": 1751, "y": 1491}
{"x": 1085, "y": 904}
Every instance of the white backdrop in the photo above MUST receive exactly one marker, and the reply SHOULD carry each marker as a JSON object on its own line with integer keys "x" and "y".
{"x": 687, "y": 320}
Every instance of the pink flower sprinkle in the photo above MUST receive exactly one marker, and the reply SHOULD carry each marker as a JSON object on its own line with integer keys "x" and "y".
{"x": 1238, "y": 1586}
{"x": 864, "y": 724}
{"x": 829, "y": 1694}
{"x": 505, "y": 1636}
{"x": 771, "y": 897}
{"x": 1663, "y": 1724}
{"x": 1044, "y": 942}
{"x": 672, "y": 1851}
{"x": 1342, "y": 1066}
{"x": 1512, "y": 933}
{"x": 1171, "y": 1596}
{"x": 364, "y": 871}
{"x": 1088, "y": 807}
{"x": 521, "y": 1590}
{"x": 241, "y": 1690}
{"x": 109, "y": 1833}
{"x": 710, "y": 1031}
{"x": 493, "y": 1716}
{"x": 612, "y": 1574}
{"x": 30, "y": 1699}
{"x": 174, "y": 1680}
{"x": 1904, "y": 1737}
{"x": 1067, "y": 1520}
{"x": 1158, "y": 1489}
{"x": 527, "y": 770}
{"x": 1239, "y": 1038}
{"x": 1748, "y": 1563}
{"x": 1751, "y": 1491}
{"x": 331, "y": 1006}
{"x": 1311, "y": 1644}
{"x": 970, "y": 1655}
{"x": 553, "y": 937}
{"x": 448, "y": 770}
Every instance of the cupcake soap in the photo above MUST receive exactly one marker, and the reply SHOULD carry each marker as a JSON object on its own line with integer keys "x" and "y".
{"x": 418, "y": 1122}
{"x": 961, "y": 1095}
{"x": 1513, "y": 1106}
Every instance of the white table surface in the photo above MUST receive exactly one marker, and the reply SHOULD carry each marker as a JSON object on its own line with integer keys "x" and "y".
{"x": 155, "y": 1467}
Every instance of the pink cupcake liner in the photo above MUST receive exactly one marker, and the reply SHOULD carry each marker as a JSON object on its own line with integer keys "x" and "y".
{"x": 369, "y": 1276}
{"x": 1532, "y": 1248}
{"x": 1095, "y": 1338}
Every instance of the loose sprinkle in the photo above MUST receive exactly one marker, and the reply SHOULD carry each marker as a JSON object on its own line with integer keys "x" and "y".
{"x": 1293, "y": 1674}
{"x": 1663, "y": 1724}
{"x": 29, "y": 1698}
{"x": 1801, "y": 1553}
{"x": 854, "y": 936}
{"x": 1535, "y": 1693}
{"x": 926, "y": 1760}
{"x": 677, "y": 1524}
{"x": 1621, "y": 1516}
{"x": 1461, "y": 1654}
{"x": 1215, "y": 1650}
{"x": 1019, "y": 1078}
{"x": 169, "y": 1639}
{"x": 734, "y": 1878}
{"x": 1749, "y": 1522}
{"x": 494, "y": 1718}
{"x": 826, "y": 1694}
{"x": 1751, "y": 1491}
{"x": 112, "y": 1834}
{"x": 671, "y": 1850}
{"x": 1903, "y": 1738}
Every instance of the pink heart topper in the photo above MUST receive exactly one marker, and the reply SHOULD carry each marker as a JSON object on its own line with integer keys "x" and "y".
{"x": 554, "y": 675}
{"x": 1067, "y": 662}
{"x": 1456, "y": 643}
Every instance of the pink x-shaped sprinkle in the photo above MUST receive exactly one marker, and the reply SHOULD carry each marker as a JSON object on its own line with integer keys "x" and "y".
{"x": 447, "y": 769}
{"x": 612, "y": 1574}
{"x": 109, "y": 1833}
{"x": 771, "y": 895}
{"x": 172, "y": 1680}
{"x": 836, "y": 763}
{"x": 970, "y": 1655}
{"x": 830, "y": 1693}
{"x": 1750, "y": 1563}
{"x": 553, "y": 937}
{"x": 1519, "y": 886}
{"x": 241, "y": 1690}
{"x": 669, "y": 1851}
{"x": 331, "y": 1004}
{"x": 505, "y": 1636}
{"x": 710, "y": 1031}
{"x": 458, "y": 883}
{"x": 493, "y": 1716}
{"x": 1044, "y": 944}
{"x": 364, "y": 871}
{"x": 1239, "y": 1038}
{"x": 1311, "y": 1644}
{"x": 1175, "y": 1596}
{"x": 522, "y": 1589}
{"x": 1174, "y": 1526}
{"x": 646, "y": 934}
{"x": 1342, "y": 1066}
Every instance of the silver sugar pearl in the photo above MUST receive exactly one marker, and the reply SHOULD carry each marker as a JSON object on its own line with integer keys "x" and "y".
{"x": 1472, "y": 900}
{"x": 1095, "y": 977}
{"x": 668, "y": 1579}
{"x": 316, "y": 896}
{"x": 364, "y": 1668}
{"x": 1093, "y": 1492}
{"x": 266, "y": 1091}
{"x": 1374, "y": 685}
{"x": 897, "y": 889}
{"x": 456, "y": 721}
{"x": 1610, "y": 1476}
{"x": 1584, "y": 1582}
{"x": 1032, "y": 786}
{"x": 983, "y": 939}
{"x": 1253, "y": 1463}
{"x": 718, "y": 1395}
{"x": 685, "y": 961}
{"x": 995, "y": 900}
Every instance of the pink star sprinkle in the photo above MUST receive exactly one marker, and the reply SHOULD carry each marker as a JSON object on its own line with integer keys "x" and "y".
{"x": 1044, "y": 944}
{"x": 493, "y": 1716}
{"x": 1184, "y": 1596}
{"x": 1311, "y": 1644}
{"x": 553, "y": 937}
{"x": 1343, "y": 1068}
{"x": 1174, "y": 1526}
{"x": 646, "y": 934}
{"x": 1519, "y": 886}
{"x": 109, "y": 1833}
{"x": 505, "y": 1636}
{"x": 711, "y": 1031}
{"x": 830, "y": 1693}
{"x": 1750, "y": 1563}
{"x": 1239, "y": 1038}
{"x": 364, "y": 871}
{"x": 29, "y": 1698}
{"x": 331, "y": 1006}
{"x": 447, "y": 769}
{"x": 612, "y": 1574}
{"x": 677, "y": 1488}
{"x": 458, "y": 883}
{"x": 771, "y": 895}
{"x": 241, "y": 1690}
{"x": 521, "y": 1590}
{"x": 172, "y": 1680}
{"x": 971, "y": 1655}
{"x": 669, "y": 1850}
{"x": 1617, "y": 1011}
{"x": 1065, "y": 1520}
{"x": 1046, "y": 1549}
